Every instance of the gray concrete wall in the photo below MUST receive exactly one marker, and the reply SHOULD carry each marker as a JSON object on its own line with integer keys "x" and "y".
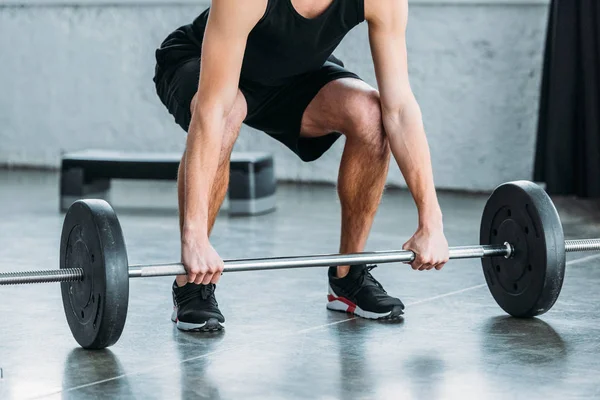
{"x": 78, "y": 74}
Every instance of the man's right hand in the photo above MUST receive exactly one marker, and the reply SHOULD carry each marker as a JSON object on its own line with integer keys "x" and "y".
{"x": 201, "y": 261}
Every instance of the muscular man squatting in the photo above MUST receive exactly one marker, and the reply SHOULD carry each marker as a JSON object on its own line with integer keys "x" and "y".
{"x": 269, "y": 64}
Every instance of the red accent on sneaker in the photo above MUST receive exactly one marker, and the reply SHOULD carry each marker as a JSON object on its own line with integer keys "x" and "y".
{"x": 351, "y": 305}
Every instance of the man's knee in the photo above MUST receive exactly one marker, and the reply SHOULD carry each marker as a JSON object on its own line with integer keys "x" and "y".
{"x": 365, "y": 121}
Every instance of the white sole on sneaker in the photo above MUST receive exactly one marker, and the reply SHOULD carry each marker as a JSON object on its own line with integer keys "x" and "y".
{"x": 212, "y": 325}
{"x": 339, "y": 303}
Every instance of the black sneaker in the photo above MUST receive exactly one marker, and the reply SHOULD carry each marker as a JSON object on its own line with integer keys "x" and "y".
{"x": 195, "y": 308}
{"x": 359, "y": 293}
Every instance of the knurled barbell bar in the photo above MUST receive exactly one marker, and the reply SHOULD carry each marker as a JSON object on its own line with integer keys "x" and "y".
{"x": 522, "y": 248}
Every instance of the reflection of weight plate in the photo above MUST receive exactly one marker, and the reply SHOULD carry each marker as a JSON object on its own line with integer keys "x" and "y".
{"x": 522, "y": 214}
{"x": 515, "y": 341}
{"x": 98, "y": 366}
{"x": 96, "y": 307}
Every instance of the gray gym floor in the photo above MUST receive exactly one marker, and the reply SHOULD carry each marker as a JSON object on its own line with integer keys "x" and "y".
{"x": 280, "y": 341}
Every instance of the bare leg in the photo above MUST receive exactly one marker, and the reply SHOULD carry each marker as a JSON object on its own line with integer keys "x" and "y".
{"x": 221, "y": 181}
{"x": 352, "y": 107}
{"x": 360, "y": 187}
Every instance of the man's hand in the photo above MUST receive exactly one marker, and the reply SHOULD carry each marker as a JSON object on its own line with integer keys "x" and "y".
{"x": 430, "y": 247}
{"x": 201, "y": 261}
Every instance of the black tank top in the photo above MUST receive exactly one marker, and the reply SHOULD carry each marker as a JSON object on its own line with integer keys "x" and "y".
{"x": 283, "y": 44}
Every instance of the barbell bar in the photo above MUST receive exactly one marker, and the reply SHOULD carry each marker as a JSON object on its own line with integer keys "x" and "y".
{"x": 275, "y": 263}
{"x": 258, "y": 264}
{"x": 522, "y": 249}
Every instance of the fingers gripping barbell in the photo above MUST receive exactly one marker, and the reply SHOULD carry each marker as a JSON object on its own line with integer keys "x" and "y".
{"x": 522, "y": 248}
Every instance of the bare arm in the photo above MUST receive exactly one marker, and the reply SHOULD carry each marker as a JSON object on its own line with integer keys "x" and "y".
{"x": 403, "y": 125}
{"x": 229, "y": 23}
{"x": 401, "y": 113}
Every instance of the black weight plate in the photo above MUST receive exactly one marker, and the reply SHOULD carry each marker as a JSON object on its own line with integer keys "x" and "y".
{"x": 96, "y": 307}
{"x": 522, "y": 214}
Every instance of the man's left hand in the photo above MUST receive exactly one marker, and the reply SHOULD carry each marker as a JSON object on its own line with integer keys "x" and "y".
{"x": 430, "y": 247}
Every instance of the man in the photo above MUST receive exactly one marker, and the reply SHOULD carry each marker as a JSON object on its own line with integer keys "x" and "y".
{"x": 269, "y": 64}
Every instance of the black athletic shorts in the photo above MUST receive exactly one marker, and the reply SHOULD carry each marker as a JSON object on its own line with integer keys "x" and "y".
{"x": 275, "y": 110}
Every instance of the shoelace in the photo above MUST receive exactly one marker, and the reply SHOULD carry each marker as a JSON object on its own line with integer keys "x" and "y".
{"x": 206, "y": 292}
{"x": 367, "y": 275}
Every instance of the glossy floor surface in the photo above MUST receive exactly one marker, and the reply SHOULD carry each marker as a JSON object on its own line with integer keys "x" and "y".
{"x": 280, "y": 341}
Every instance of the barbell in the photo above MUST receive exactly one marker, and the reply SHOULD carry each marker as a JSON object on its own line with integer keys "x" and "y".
{"x": 522, "y": 248}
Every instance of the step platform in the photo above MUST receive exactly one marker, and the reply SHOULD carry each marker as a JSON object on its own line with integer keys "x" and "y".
{"x": 88, "y": 173}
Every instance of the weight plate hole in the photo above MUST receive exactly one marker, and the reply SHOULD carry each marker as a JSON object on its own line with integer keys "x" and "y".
{"x": 515, "y": 286}
{"x": 497, "y": 268}
{"x": 82, "y": 315}
{"x": 509, "y": 213}
{"x": 93, "y": 258}
{"x": 526, "y": 230}
{"x": 495, "y": 232}
{"x": 530, "y": 268}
